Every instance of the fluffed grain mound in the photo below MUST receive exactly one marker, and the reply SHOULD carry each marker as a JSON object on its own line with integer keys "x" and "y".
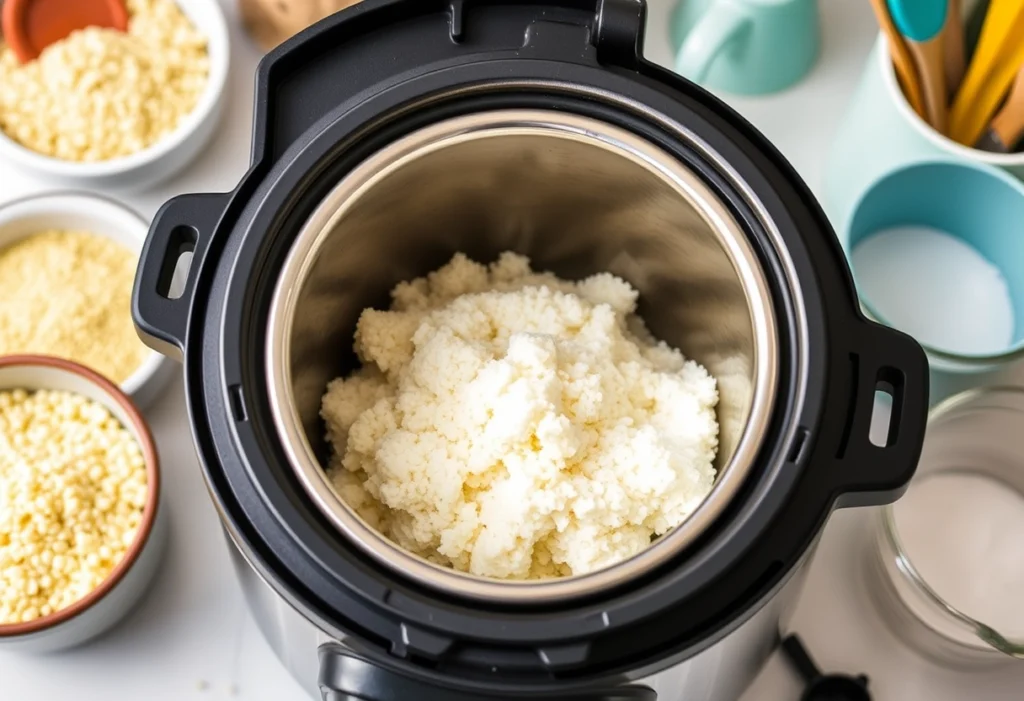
{"x": 68, "y": 294}
{"x": 99, "y": 93}
{"x": 514, "y": 425}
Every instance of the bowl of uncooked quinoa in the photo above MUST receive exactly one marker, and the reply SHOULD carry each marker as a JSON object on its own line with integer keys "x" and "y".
{"x": 111, "y": 109}
{"x": 81, "y": 526}
{"x": 67, "y": 267}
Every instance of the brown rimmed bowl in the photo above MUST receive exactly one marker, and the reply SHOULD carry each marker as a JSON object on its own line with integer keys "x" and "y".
{"x": 117, "y": 595}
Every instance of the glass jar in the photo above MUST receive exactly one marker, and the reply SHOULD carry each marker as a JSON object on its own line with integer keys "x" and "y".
{"x": 946, "y": 562}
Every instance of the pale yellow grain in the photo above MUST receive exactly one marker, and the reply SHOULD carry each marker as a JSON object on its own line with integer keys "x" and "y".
{"x": 68, "y": 294}
{"x": 46, "y": 564}
{"x": 99, "y": 93}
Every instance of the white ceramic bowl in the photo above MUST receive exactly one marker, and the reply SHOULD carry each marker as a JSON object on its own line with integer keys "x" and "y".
{"x": 164, "y": 158}
{"x": 101, "y": 216}
{"x": 106, "y": 605}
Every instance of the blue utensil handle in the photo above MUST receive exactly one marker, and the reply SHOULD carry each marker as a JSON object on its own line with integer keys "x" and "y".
{"x": 918, "y": 20}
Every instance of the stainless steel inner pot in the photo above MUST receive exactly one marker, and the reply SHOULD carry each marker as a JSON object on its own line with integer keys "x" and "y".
{"x": 578, "y": 197}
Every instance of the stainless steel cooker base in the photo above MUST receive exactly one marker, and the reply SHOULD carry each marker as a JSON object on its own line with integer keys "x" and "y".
{"x": 721, "y": 672}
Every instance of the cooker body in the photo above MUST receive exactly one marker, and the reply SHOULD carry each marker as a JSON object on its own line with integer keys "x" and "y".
{"x": 720, "y": 673}
{"x": 695, "y": 623}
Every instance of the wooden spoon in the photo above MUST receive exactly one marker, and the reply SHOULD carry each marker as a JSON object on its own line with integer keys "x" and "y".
{"x": 953, "y": 46}
{"x": 921, "y": 25}
{"x": 901, "y": 61}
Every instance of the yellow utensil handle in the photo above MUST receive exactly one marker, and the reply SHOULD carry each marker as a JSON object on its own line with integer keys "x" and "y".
{"x": 991, "y": 94}
{"x": 1003, "y": 23}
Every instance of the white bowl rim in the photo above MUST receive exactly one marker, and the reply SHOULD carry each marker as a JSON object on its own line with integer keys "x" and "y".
{"x": 216, "y": 34}
{"x": 38, "y": 202}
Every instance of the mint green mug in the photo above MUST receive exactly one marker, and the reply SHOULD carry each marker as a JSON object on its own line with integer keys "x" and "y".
{"x": 745, "y": 47}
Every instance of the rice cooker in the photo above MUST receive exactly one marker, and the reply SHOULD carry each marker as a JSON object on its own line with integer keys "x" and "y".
{"x": 398, "y": 132}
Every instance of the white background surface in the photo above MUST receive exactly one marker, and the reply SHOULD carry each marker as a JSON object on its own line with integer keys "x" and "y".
{"x": 192, "y": 640}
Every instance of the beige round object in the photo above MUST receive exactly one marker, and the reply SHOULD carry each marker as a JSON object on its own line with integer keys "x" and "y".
{"x": 270, "y": 22}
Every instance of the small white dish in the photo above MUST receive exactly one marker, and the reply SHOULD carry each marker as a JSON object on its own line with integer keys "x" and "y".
{"x": 166, "y": 157}
{"x": 124, "y": 587}
{"x": 103, "y": 217}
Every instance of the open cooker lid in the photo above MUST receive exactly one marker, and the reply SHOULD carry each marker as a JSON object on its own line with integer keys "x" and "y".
{"x": 345, "y": 88}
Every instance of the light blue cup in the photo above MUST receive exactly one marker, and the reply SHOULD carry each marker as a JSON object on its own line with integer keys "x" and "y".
{"x": 976, "y": 203}
{"x": 881, "y": 132}
{"x": 745, "y": 47}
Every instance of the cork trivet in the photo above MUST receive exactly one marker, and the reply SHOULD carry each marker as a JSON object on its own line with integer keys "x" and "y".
{"x": 270, "y": 22}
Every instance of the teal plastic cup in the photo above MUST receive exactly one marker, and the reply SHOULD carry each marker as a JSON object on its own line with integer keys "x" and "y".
{"x": 982, "y": 207}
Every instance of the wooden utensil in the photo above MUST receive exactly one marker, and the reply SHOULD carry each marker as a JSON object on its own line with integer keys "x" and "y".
{"x": 921, "y": 25}
{"x": 901, "y": 60}
{"x": 953, "y": 47}
{"x": 29, "y": 26}
{"x": 269, "y": 22}
{"x": 1003, "y": 27}
{"x": 1007, "y": 126}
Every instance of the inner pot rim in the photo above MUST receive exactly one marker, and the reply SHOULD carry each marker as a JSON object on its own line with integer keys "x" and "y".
{"x": 516, "y": 122}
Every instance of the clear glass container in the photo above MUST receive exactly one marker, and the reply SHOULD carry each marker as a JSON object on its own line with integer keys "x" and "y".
{"x": 946, "y": 561}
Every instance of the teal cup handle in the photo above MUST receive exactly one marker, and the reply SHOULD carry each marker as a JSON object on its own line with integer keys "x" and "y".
{"x": 978, "y": 204}
{"x": 745, "y": 47}
{"x": 719, "y": 29}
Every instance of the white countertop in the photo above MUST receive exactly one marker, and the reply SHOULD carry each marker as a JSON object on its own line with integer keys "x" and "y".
{"x": 192, "y": 639}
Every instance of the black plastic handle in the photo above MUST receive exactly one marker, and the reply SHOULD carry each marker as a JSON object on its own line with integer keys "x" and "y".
{"x": 823, "y": 687}
{"x": 185, "y": 224}
{"x": 348, "y": 676}
{"x": 886, "y": 360}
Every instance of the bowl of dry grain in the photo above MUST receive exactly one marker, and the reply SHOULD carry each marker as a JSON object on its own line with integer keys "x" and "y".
{"x": 105, "y": 109}
{"x": 82, "y": 526}
{"x": 67, "y": 266}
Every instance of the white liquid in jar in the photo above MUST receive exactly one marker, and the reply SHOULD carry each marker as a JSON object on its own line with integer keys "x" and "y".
{"x": 964, "y": 534}
{"x": 936, "y": 288}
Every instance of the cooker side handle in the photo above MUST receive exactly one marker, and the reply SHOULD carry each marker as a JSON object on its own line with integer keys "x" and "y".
{"x": 183, "y": 225}
{"x": 891, "y": 362}
{"x": 346, "y": 675}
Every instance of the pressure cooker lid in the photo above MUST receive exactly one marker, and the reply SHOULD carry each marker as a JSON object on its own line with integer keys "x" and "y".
{"x": 346, "y": 91}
